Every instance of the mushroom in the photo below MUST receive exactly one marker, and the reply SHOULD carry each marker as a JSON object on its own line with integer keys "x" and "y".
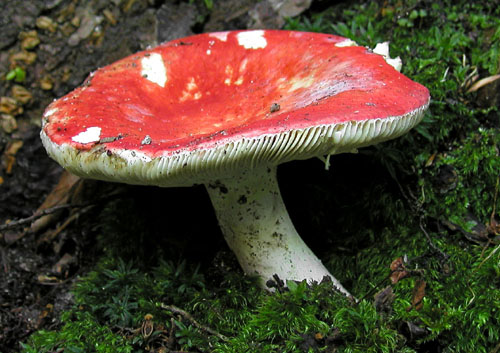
{"x": 224, "y": 110}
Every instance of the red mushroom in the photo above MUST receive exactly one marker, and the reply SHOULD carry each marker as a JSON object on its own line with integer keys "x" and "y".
{"x": 223, "y": 110}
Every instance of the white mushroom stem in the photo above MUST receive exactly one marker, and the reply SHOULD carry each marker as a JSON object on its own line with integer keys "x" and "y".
{"x": 258, "y": 229}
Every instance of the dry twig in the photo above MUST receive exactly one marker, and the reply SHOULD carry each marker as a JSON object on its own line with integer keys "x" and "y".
{"x": 444, "y": 256}
{"x": 175, "y": 310}
{"x": 36, "y": 215}
{"x": 51, "y": 210}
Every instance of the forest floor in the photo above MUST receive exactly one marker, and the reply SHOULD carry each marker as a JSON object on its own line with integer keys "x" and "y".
{"x": 88, "y": 256}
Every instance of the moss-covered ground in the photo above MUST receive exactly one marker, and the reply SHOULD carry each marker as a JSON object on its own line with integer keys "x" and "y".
{"x": 409, "y": 226}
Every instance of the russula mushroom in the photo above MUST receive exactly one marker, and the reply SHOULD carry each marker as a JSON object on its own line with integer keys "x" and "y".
{"x": 224, "y": 110}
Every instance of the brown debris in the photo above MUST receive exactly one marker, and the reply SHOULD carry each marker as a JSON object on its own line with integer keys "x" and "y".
{"x": 11, "y": 237}
{"x": 272, "y": 13}
{"x": 22, "y": 56}
{"x": 430, "y": 160}
{"x": 49, "y": 308}
{"x": 109, "y": 16}
{"x": 67, "y": 29}
{"x": 417, "y": 295}
{"x": 29, "y": 40}
{"x": 9, "y": 105}
{"x": 87, "y": 25}
{"x": 290, "y": 8}
{"x": 383, "y": 300}
{"x": 9, "y": 155}
{"x": 274, "y": 107}
{"x": 128, "y": 5}
{"x": 46, "y": 83}
{"x": 21, "y": 94}
{"x": 8, "y": 123}
{"x": 50, "y": 235}
{"x": 61, "y": 267}
{"x": 75, "y": 22}
{"x": 59, "y": 195}
{"x": 412, "y": 331}
{"x": 46, "y": 23}
{"x": 398, "y": 270}
{"x": 48, "y": 280}
{"x": 483, "y": 82}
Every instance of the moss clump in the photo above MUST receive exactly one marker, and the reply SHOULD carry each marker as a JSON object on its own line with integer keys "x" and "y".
{"x": 80, "y": 332}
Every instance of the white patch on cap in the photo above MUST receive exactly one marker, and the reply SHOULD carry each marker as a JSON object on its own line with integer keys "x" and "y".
{"x": 346, "y": 43}
{"x": 229, "y": 73}
{"x": 50, "y": 112}
{"x": 191, "y": 91}
{"x": 133, "y": 156}
{"x": 252, "y": 39}
{"x": 92, "y": 134}
{"x": 298, "y": 83}
{"x": 209, "y": 52}
{"x": 191, "y": 85}
{"x": 222, "y": 36}
{"x": 383, "y": 49}
{"x": 243, "y": 65}
{"x": 153, "y": 69}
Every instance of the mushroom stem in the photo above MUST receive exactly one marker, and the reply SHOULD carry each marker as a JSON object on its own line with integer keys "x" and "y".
{"x": 258, "y": 229}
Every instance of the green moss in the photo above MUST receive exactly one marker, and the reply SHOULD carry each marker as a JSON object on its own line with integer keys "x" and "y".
{"x": 80, "y": 333}
{"x": 467, "y": 176}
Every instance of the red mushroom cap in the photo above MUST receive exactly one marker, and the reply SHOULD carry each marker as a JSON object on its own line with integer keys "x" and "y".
{"x": 225, "y": 100}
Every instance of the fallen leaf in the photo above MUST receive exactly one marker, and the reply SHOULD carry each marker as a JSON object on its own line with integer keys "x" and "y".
{"x": 45, "y": 312}
{"x": 383, "y": 300}
{"x": 412, "y": 331}
{"x": 44, "y": 279}
{"x": 63, "y": 263}
{"x": 59, "y": 195}
{"x": 477, "y": 233}
{"x": 430, "y": 160}
{"x": 9, "y": 155}
{"x": 417, "y": 295}
{"x": 51, "y": 234}
{"x": 13, "y": 146}
{"x": 483, "y": 82}
{"x": 11, "y": 237}
{"x": 398, "y": 270}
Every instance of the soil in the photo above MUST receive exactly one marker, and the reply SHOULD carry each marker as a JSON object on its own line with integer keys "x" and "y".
{"x": 57, "y": 43}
